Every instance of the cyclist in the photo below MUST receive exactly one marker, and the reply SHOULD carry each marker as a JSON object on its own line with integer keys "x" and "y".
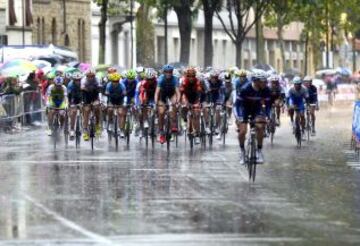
{"x": 228, "y": 93}
{"x": 277, "y": 95}
{"x": 56, "y": 100}
{"x": 216, "y": 96}
{"x": 254, "y": 100}
{"x": 167, "y": 89}
{"x": 296, "y": 98}
{"x": 330, "y": 80}
{"x": 91, "y": 87}
{"x": 313, "y": 101}
{"x": 115, "y": 91}
{"x": 75, "y": 99}
{"x": 145, "y": 94}
{"x": 129, "y": 83}
{"x": 191, "y": 91}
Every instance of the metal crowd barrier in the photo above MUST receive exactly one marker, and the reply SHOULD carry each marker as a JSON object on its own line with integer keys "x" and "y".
{"x": 25, "y": 108}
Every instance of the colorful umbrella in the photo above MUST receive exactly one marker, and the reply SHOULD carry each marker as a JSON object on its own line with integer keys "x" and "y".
{"x": 22, "y": 63}
{"x": 84, "y": 66}
{"x": 101, "y": 67}
{"x": 41, "y": 64}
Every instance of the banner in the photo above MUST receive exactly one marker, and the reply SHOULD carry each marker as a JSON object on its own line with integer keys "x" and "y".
{"x": 356, "y": 122}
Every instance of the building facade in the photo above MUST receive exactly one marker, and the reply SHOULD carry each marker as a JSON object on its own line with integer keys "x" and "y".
{"x": 15, "y": 22}
{"x": 63, "y": 23}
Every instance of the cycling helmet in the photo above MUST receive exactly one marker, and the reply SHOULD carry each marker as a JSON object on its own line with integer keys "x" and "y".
{"x": 114, "y": 77}
{"x": 241, "y": 73}
{"x": 190, "y": 72}
{"x": 214, "y": 74}
{"x": 168, "y": 68}
{"x": 90, "y": 71}
{"x": 59, "y": 80}
{"x": 77, "y": 75}
{"x": 259, "y": 76}
{"x": 51, "y": 75}
{"x": 274, "y": 77}
{"x": 307, "y": 79}
{"x": 111, "y": 70}
{"x": 139, "y": 70}
{"x": 227, "y": 77}
{"x": 150, "y": 73}
{"x": 131, "y": 74}
{"x": 297, "y": 80}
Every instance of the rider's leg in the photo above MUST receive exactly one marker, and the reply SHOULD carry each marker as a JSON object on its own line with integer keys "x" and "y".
{"x": 196, "y": 118}
{"x": 260, "y": 131}
{"x": 86, "y": 115}
{"x": 161, "y": 115}
{"x": 73, "y": 112}
{"x": 122, "y": 114}
{"x": 313, "y": 117}
{"x": 174, "y": 112}
{"x": 242, "y": 128}
{"x": 291, "y": 114}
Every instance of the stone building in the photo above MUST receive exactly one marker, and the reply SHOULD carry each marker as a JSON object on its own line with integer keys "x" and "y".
{"x": 15, "y": 22}
{"x": 63, "y": 23}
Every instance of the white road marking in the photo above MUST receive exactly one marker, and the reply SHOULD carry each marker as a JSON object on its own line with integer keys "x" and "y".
{"x": 68, "y": 223}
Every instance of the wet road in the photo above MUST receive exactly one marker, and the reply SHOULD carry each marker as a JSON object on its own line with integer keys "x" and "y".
{"x": 142, "y": 197}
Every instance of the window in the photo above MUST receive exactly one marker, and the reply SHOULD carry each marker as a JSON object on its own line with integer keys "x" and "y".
{"x": 161, "y": 49}
{"x": 38, "y": 30}
{"x": 81, "y": 39}
{"x": 53, "y": 32}
{"x": 43, "y": 31}
{"x": 252, "y": 44}
{"x": 295, "y": 64}
{"x": 176, "y": 48}
{"x": 12, "y": 14}
{"x": 67, "y": 40}
{"x": 294, "y": 46}
{"x": 287, "y": 45}
{"x": 270, "y": 44}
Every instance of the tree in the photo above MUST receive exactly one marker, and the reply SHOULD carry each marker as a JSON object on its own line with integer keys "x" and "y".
{"x": 145, "y": 34}
{"x": 279, "y": 14}
{"x": 209, "y": 6}
{"x": 103, "y": 4}
{"x": 184, "y": 12}
{"x": 240, "y": 21}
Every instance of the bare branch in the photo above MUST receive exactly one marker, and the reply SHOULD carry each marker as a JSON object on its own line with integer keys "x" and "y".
{"x": 232, "y": 37}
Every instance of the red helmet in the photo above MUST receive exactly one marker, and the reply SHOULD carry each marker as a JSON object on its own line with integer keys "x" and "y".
{"x": 39, "y": 73}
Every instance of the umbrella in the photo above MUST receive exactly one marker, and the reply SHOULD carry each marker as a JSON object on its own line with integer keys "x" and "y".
{"x": 41, "y": 63}
{"x": 100, "y": 74}
{"x": 101, "y": 67}
{"x": 74, "y": 64}
{"x": 344, "y": 71}
{"x": 264, "y": 67}
{"x": 22, "y": 63}
{"x": 17, "y": 67}
{"x": 84, "y": 66}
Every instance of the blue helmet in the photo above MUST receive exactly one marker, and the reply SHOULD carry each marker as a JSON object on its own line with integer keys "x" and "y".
{"x": 168, "y": 68}
{"x": 58, "y": 80}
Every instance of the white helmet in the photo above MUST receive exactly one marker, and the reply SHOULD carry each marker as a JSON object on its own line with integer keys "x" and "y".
{"x": 77, "y": 75}
{"x": 274, "y": 77}
{"x": 150, "y": 73}
{"x": 307, "y": 79}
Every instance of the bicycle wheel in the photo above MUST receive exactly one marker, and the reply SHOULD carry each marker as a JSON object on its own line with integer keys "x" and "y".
{"x": 168, "y": 131}
{"x": 211, "y": 129}
{"x": 152, "y": 129}
{"x": 55, "y": 129}
{"x": 77, "y": 132}
{"x": 202, "y": 131}
{"x": 298, "y": 133}
{"x": 116, "y": 132}
{"x": 127, "y": 130}
{"x": 253, "y": 158}
{"x": 92, "y": 131}
{"x": 66, "y": 129}
{"x": 224, "y": 127}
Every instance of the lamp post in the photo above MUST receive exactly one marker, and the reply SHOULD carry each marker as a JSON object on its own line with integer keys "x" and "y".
{"x": 132, "y": 32}
{"x": 23, "y": 21}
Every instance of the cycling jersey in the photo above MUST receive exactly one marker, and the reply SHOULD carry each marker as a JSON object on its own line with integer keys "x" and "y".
{"x": 192, "y": 91}
{"x": 296, "y": 98}
{"x": 216, "y": 92}
{"x": 130, "y": 89}
{"x": 167, "y": 87}
{"x": 115, "y": 93}
{"x": 313, "y": 96}
{"x": 277, "y": 93}
{"x": 237, "y": 99}
{"x": 252, "y": 101}
{"x": 74, "y": 93}
{"x": 146, "y": 91}
{"x": 57, "y": 97}
{"x": 90, "y": 89}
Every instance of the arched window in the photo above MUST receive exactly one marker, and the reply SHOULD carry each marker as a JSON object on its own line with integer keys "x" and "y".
{"x": 81, "y": 39}
{"x": 38, "y": 31}
{"x": 53, "y": 32}
{"x": 43, "y": 41}
{"x": 67, "y": 40}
